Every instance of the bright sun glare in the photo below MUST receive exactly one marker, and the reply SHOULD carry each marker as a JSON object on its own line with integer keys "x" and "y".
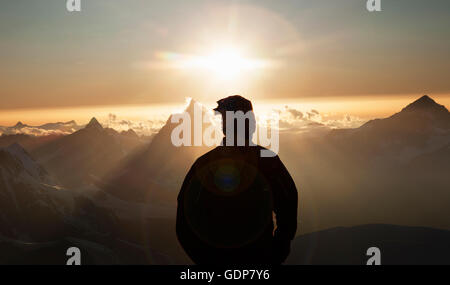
{"x": 225, "y": 63}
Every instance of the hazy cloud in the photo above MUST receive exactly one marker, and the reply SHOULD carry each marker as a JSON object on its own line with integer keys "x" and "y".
{"x": 141, "y": 127}
{"x": 295, "y": 120}
{"x": 296, "y": 113}
{"x": 34, "y": 131}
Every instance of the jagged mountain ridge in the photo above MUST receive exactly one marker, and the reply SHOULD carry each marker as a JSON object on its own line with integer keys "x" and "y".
{"x": 48, "y": 128}
{"x": 417, "y": 116}
{"x": 157, "y": 170}
{"x": 33, "y": 206}
{"x": 381, "y": 172}
{"x": 83, "y": 157}
{"x": 422, "y": 126}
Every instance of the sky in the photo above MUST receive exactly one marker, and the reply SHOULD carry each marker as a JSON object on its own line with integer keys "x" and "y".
{"x": 141, "y": 53}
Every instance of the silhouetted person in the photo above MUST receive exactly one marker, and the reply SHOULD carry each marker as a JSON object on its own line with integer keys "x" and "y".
{"x": 227, "y": 200}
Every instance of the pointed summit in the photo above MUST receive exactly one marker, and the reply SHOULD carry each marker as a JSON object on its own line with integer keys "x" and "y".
{"x": 19, "y": 125}
{"x": 190, "y": 106}
{"x": 190, "y": 109}
{"x": 94, "y": 124}
{"x": 425, "y": 103}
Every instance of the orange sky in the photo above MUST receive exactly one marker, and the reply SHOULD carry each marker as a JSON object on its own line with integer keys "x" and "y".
{"x": 122, "y": 53}
{"x": 139, "y": 60}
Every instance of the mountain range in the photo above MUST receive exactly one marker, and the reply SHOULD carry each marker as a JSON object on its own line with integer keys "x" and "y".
{"x": 32, "y": 204}
{"x": 157, "y": 170}
{"x": 45, "y": 129}
{"x": 114, "y": 189}
{"x": 85, "y": 156}
{"x": 40, "y": 220}
{"x": 381, "y": 172}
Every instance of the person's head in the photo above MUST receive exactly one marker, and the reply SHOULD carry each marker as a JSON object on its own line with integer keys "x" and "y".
{"x": 238, "y": 119}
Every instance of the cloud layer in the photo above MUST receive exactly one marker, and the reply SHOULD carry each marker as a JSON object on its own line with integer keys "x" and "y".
{"x": 290, "y": 120}
{"x": 294, "y": 120}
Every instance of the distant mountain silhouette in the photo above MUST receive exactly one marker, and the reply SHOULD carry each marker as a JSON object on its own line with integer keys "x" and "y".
{"x": 422, "y": 115}
{"x": 83, "y": 157}
{"x": 428, "y": 105}
{"x": 69, "y": 126}
{"x": 94, "y": 124}
{"x": 19, "y": 125}
{"x": 63, "y": 127}
{"x": 348, "y": 245}
{"x": 391, "y": 170}
{"x": 156, "y": 171}
{"x": 422, "y": 125}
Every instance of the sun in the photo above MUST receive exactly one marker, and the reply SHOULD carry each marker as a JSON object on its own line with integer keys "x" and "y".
{"x": 225, "y": 63}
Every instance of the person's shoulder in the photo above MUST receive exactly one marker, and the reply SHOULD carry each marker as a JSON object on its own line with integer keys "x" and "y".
{"x": 269, "y": 160}
{"x": 212, "y": 154}
{"x": 221, "y": 151}
{"x": 267, "y": 154}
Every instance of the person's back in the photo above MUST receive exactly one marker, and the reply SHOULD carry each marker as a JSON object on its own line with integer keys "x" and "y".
{"x": 225, "y": 208}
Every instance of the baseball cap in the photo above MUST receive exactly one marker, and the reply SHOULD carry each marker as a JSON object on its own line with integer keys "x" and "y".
{"x": 234, "y": 103}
